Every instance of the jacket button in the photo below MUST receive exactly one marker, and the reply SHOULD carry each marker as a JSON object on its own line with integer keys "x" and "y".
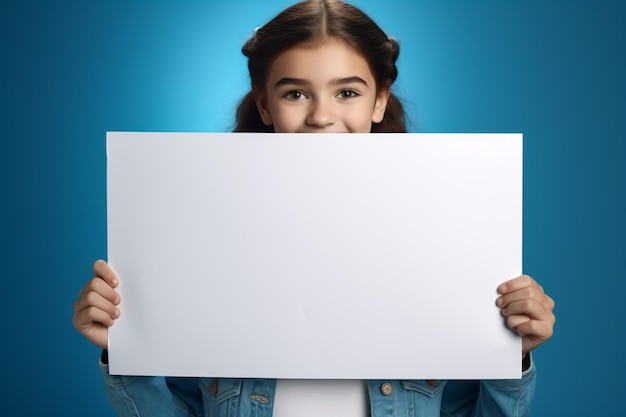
{"x": 386, "y": 388}
{"x": 213, "y": 387}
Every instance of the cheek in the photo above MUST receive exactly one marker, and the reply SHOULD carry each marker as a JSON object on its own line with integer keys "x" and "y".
{"x": 287, "y": 119}
{"x": 359, "y": 120}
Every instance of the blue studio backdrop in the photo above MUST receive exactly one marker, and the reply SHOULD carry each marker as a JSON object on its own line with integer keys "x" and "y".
{"x": 71, "y": 70}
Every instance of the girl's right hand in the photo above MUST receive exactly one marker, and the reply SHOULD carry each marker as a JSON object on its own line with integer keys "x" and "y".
{"x": 96, "y": 308}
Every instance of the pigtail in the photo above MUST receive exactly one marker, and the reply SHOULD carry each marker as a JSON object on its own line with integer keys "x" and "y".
{"x": 392, "y": 47}
{"x": 394, "y": 120}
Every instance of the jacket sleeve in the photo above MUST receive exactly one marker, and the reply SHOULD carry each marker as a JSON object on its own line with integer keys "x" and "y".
{"x": 507, "y": 397}
{"x": 149, "y": 396}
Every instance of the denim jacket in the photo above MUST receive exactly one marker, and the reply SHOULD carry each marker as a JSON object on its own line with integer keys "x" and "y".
{"x": 143, "y": 396}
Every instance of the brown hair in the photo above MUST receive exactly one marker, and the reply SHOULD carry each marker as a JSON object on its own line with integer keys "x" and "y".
{"x": 314, "y": 20}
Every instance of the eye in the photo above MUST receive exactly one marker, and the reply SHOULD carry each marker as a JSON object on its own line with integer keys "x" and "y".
{"x": 294, "y": 95}
{"x": 348, "y": 94}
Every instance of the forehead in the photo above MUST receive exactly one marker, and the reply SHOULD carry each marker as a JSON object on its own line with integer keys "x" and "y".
{"x": 320, "y": 62}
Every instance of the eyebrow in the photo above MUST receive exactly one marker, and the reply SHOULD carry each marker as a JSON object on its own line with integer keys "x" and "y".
{"x": 336, "y": 81}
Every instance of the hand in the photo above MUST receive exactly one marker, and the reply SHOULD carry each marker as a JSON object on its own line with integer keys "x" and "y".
{"x": 528, "y": 311}
{"x": 96, "y": 308}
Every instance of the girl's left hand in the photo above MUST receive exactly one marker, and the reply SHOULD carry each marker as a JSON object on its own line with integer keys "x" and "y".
{"x": 528, "y": 311}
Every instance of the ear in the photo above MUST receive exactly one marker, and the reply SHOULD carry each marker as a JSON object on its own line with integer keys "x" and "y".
{"x": 381, "y": 105}
{"x": 262, "y": 106}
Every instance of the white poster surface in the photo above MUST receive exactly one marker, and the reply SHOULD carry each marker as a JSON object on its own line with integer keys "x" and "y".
{"x": 329, "y": 256}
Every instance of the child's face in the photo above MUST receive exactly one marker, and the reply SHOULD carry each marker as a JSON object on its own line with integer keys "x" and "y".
{"x": 323, "y": 88}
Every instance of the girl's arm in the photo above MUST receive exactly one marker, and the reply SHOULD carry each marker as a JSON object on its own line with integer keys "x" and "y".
{"x": 94, "y": 312}
{"x": 528, "y": 311}
{"x": 96, "y": 308}
{"x": 507, "y": 397}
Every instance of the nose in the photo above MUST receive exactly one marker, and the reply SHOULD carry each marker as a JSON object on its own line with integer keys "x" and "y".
{"x": 321, "y": 115}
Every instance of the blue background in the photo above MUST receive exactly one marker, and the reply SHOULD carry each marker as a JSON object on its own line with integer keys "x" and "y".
{"x": 73, "y": 70}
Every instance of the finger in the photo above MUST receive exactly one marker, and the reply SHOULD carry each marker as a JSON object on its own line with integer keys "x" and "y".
{"x": 528, "y": 307}
{"x": 103, "y": 270}
{"x": 95, "y": 299}
{"x": 99, "y": 286}
{"x": 517, "y": 283}
{"x": 513, "y": 322}
{"x": 87, "y": 318}
{"x": 537, "y": 329}
{"x": 532, "y": 293}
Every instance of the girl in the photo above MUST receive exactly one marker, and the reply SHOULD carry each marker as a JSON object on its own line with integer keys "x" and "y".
{"x": 320, "y": 66}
